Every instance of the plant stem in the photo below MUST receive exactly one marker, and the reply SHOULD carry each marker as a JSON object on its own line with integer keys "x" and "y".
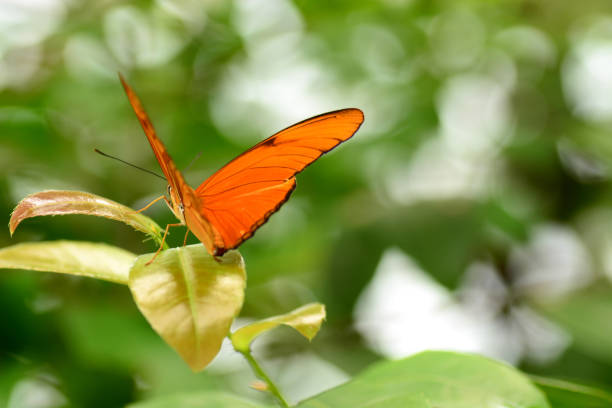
{"x": 261, "y": 374}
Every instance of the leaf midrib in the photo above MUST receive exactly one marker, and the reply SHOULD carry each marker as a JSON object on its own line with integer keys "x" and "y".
{"x": 187, "y": 271}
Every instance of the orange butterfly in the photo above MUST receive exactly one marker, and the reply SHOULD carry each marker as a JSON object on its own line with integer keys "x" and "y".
{"x": 229, "y": 206}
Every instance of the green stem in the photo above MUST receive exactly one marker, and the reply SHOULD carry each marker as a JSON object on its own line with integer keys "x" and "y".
{"x": 261, "y": 374}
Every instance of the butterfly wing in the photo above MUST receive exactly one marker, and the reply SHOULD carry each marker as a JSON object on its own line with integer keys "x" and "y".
{"x": 243, "y": 194}
{"x": 185, "y": 203}
{"x": 173, "y": 175}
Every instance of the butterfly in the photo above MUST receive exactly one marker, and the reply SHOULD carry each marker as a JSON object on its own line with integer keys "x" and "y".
{"x": 229, "y": 206}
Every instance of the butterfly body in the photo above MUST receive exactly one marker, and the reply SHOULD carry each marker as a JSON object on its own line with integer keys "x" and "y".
{"x": 187, "y": 208}
{"x": 229, "y": 206}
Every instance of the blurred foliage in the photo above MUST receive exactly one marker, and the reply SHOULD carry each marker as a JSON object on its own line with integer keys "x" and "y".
{"x": 486, "y": 142}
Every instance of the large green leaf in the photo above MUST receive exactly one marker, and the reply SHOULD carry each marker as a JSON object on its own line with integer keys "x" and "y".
{"x": 435, "y": 379}
{"x": 190, "y": 298}
{"x": 306, "y": 320}
{"x": 205, "y": 399}
{"x": 563, "y": 394}
{"x": 61, "y": 202}
{"x": 90, "y": 259}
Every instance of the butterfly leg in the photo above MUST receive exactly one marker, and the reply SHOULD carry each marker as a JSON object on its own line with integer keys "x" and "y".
{"x": 186, "y": 235}
{"x": 151, "y": 203}
{"x": 162, "y": 242}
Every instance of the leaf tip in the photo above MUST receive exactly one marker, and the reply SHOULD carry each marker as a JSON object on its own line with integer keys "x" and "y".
{"x": 13, "y": 223}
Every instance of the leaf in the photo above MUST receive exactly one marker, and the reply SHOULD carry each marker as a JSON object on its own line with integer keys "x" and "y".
{"x": 90, "y": 259}
{"x": 306, "y": 320}
{"x": 203, "y": 399}
{"x": 435, "y": 379}
{"x": 190, "y": 298}
{"x": 564, "y": 394}
{"x": 61, "y": 202}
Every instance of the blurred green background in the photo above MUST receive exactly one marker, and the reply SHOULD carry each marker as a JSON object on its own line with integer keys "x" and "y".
{"x": 472, "y": 211}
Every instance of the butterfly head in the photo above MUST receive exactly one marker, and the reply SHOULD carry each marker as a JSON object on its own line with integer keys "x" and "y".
{"x": 177, "y": 204}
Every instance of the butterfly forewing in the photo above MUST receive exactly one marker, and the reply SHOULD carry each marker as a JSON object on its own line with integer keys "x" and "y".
{"x": 242, "y": 195}
{"x": 162, "y": 156}
{"x": 173, "y": 175}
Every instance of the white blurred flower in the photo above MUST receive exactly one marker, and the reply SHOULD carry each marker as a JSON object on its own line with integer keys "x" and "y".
{"x": 403, "y": 311}
{"x": 587, "y": 70}
{"x": 553, "y": 263}
{"x": 462, "y": 161}
{"x": 35, "y": 393}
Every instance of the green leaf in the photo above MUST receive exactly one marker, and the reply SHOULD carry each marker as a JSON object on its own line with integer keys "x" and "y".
{"x": 563, "y": 394}
{"x": 204, "y": 399}
{"x": 190, "y": 298}
{"x": 90, "y": 259}
{"x": 61, "y": 202}
{"x": 306, "y": 320}
{"x": 435, "y": 379}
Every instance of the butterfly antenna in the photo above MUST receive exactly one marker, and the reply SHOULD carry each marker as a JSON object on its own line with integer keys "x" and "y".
{"x": 193, "y": 161}
{"x": 129, "y": 164}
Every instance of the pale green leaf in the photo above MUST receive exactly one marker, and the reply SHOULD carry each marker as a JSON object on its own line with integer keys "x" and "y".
{"x": 306, "y": 320}
{"x": 90, "y": 259}
{"x": 435, "y": 379}
{"x": 61, "y": 202}
{"x": 190, "y": 298}
{"x": 203, "y": 399}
